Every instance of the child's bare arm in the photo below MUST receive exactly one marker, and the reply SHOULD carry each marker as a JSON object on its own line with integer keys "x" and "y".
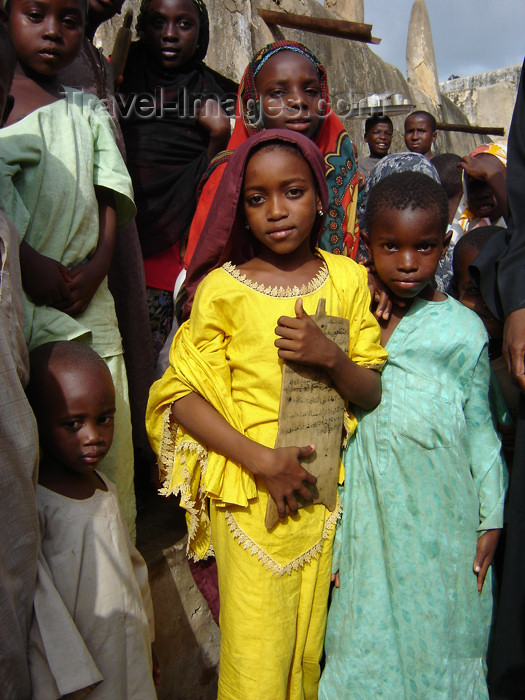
{"x": 280, "y": 468}
{"x": 45, "y": 280}
{"x": 485, "y": 550}
{"x": 86, "y": 278}
{"x": 302, "y": 341}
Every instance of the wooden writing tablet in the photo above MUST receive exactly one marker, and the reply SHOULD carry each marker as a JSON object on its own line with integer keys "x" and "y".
{"x": 311, "y": 410}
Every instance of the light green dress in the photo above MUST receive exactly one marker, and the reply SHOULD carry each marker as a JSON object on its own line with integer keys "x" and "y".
{"x": 424, "y": 478}
{"x": 54, "y": 157}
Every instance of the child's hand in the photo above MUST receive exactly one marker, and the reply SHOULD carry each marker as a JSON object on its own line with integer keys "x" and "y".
{"x": 482, "y": 166}
{"x": 215, "y": 120}
{"x": 361, "y": 181}
{"x": 301, "y": 339}
{"x": 85, "y": 280}
{"x": 284, "y": 475}
{"x": 382, "y": 298}
{"x": 335, "y": 579}
{"x": 45, "y": 281}
{"x": 485, "y": 551}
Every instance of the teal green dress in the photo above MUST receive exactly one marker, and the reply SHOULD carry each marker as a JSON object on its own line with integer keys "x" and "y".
{"x": 424, "y": 478}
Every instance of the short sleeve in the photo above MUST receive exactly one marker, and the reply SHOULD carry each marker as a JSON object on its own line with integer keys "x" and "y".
{"x": 109, "y": 169}
{"x": 365, "y": 347}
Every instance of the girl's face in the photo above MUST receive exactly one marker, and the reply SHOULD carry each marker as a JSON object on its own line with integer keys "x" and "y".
{"x": 171, "y": 32}
{"x": 406, "y": 247}
{"x": 290, "y": 93}
{"x": 47, "y": 34}
{"x": 280, "y": 200}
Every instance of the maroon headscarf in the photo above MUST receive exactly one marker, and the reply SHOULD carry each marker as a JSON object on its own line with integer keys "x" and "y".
{"x": 225, "y": 231}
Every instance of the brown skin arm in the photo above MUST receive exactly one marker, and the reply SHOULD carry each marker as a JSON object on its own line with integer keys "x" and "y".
{"x": 301, "y": 340}
{"x": 45, "y": 280}
{"x": 87, "y": 277}
{"x": 280, "y": 468}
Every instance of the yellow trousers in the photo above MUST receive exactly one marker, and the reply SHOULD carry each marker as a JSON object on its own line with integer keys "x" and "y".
{"x": 272, "y": 627}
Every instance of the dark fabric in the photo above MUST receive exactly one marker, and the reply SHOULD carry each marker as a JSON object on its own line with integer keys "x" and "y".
{"x": 167, "y": 150}
{"x": 205, "y": 575}
{"x": 502, "y": 280}
{"x": 226, "y": 223}
{"x": 161, "y": 308}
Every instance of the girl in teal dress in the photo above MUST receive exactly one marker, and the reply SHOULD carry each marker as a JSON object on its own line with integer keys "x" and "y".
{"x": 425, "y": 482}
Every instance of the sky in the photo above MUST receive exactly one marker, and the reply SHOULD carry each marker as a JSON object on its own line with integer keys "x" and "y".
{"x": 470, "y": 36}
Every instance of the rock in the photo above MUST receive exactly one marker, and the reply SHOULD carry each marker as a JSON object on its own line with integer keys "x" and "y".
{"x": 351, "y": 10}
{"x": 421, "y": 61}
{"x": 187, "y": 640}
{"x": 486, "y": 98}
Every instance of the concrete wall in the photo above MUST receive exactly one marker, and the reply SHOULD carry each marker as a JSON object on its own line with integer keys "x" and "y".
{"x": 487, "y": 99}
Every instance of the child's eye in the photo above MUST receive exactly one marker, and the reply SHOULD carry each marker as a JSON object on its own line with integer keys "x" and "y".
{"x": 71, "y": 22}
{"x": 254, "y": 200}
{"x": 277, "y": 93}
{"x": 156, "y": 23}
{"x": 390, "y": 246}
{"x": 295, "y": 192}
{"x": 107, "y": 419}
{"x": 185, "y": 24}
{"x": 472, "y": 291}
{"x": 425, "y": 247}
{"x": 73, "y": 425}
{"x": 35, "y": 16}
{"x": 312, "y": 91}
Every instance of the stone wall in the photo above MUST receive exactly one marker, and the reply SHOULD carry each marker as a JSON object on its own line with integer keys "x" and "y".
{"x": 354, "y": 70}
{"x": 487, "y": 99}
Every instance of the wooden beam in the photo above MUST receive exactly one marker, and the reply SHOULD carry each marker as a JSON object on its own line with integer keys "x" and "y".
{"x": 119, "y": 54}
{"x": 327, "y": 26}
{"x": 468, "y": 129}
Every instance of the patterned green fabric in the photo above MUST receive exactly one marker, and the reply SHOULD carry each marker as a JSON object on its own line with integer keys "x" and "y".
{"x": 423, "y": 477}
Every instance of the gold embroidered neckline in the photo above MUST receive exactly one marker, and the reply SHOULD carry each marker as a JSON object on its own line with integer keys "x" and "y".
{"x": 281, "y": 292}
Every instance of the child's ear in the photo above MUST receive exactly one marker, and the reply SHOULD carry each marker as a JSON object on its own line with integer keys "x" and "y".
{"x": 434, "y": 136}
{"x": 318, "y": 204}
{"x": 446, "y": 243}
{"x": 366, "y": 241}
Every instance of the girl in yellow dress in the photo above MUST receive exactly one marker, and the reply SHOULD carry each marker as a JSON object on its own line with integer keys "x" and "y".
{"x": 213, "y": 417}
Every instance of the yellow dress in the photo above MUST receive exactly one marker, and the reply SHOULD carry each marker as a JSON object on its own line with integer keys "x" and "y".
{"x": 273, "y": 584}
